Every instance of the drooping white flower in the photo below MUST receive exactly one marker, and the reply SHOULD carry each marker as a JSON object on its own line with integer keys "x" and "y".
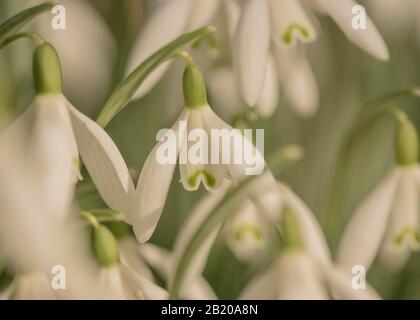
{"x": 288, "y": 24}
{"x": 57, "y": 132}
{"x": 34, "y": 240}
{"x": 303, "y": 269}
{"x": 199, "y": 119}
{"x": 115, "y": 276}
{"x": 388, "y": 219}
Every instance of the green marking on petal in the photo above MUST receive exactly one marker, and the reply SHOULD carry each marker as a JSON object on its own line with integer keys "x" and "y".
{"x": 210, "y": 179}
{"x": 408, "y": 232}
{"x": 288, "y": 33}
{"x": 251, "y": 229}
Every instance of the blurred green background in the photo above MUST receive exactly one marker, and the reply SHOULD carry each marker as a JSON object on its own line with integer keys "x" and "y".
{"x": 347, "y": 78}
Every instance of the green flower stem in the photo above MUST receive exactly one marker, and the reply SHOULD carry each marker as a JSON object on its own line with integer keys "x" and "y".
{"x": 29, "y": 35}
{"x": 124, "y": 91}
{"x": 19, "y": 20}
{"x": 221, "y": 212}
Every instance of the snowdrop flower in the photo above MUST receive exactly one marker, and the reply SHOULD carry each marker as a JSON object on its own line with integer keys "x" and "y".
{"x": 33, "y": 239}
{"x": 155, "y": 178}
{"x": 303, "y": 269}
{"x": 388, "y": 219}
{"x": 116, "y": 277}
{"x": 58, "y": 132}
{"x": 287, "y": 24}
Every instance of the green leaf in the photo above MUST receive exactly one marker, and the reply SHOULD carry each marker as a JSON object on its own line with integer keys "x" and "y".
{"x": 19, "y": 20}
{"x": 123, "y": 93}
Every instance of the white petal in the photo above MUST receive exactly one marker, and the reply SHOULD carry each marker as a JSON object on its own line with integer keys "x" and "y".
{"x": 368, "y": 39}
{"x": 314, "y": 240}
{"x": 263, "y": 286}
{"x": 251, "y": 44}
{"x": 158, "y": 258}
{"x": 33, "y": 286}
{"x": 202, "y": 12}
{"x": 104, "y": 162}
{"x": 143, "y": 287}
{"x": 112, "y": 280}
{"x": 403, "y": 231}
{"x": 199, "y": 289}
{"x": 152, "y": 189}
{"x": 233, "y": 14}
{"x": 366, "y": 229}
{"x": 168, "y": 21}
{"x": 269, "y": 97}
{"x": 290, "y": 23}
{"x": 299, "y": 278}
{"x": 130, "y": 255}
{"x": 298, "y": 80}
{"x": 53, "y": 152}
{"x": 340, "y": 284}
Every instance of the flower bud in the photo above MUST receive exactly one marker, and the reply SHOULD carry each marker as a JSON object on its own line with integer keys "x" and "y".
{"x": 47, "y": 70}
{"x": 195, "y": 93}
{"x": 289, "y": 228}
{"x": 105, "y": 246}
{"x": 406, "y": 143}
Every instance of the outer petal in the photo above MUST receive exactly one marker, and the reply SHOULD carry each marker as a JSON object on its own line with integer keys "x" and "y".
{"x": 403, "y": 231}
{"x": 299, "y": 278}
{"x": 168, "y": 21}
{"x": 53, "y": 152}
{"x": 368, "y": 39}
{"x": 251, "y": 44}
{"x": 202, "y": 12}
{"x": 104, "y": 162}
{"x": 341, "y": 285}
{"x": 366, "y": 229}
{"x": 298, "y": 80}
{"x": 263, "y": 286}
{"x": 269, "y": 97}
{"x": 142, "y": 287}
{"x": 290, "y": 23}
{"x": 314, "y": 241}
{"x": 152, "y": 189}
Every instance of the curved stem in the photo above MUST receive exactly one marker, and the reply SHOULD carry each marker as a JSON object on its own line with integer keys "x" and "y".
{"x": 29, "y": 35}
{"x": 185, "y": 55}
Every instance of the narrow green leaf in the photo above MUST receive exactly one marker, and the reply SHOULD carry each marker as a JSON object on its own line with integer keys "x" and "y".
{"x": 16, "y": 22}
{"x": 123, "y": 93}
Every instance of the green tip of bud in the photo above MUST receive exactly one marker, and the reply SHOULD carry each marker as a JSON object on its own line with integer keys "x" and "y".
{"x": 47, "y": 70}
{"x": 406, "y": 143}
{"x": 289, "y": 227}
{"x": 195, "y": 93}
{"x": 105, "y": 246}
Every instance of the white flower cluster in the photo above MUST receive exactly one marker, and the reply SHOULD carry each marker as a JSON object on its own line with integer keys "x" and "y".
{"x": 53, "y": 148}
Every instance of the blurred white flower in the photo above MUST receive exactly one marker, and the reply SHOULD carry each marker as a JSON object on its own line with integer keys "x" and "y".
{"x": 288, "y": 23}
{"x": 254, "y": 26}
{"x": 115, "y": 276}
{"x": 57, "y": 132}
{"x": 388, "y": 219}
{"x": 303, "y": 269}
{"x": 33, "y": 238}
